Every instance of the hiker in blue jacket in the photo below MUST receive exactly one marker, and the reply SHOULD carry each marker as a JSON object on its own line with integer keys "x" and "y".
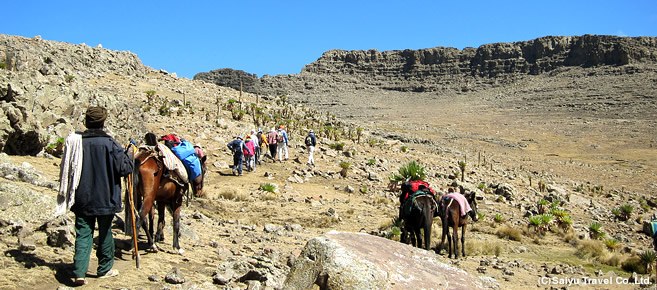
{"x": 237, "y": 147}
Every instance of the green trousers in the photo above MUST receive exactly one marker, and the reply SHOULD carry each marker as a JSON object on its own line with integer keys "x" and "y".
{"x": 84, "y": 230}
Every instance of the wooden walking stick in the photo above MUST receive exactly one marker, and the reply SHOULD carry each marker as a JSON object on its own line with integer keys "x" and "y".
{"x": 135, "y": 254}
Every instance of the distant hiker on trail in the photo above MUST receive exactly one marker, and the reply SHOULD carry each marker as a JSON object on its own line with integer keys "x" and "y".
{"x": 281, "y": 139}
{"x": 262, "y": 142}
{"x": 97, "y": 196}
{"x": 237, "y": 147}
{"x": 249, "y": 152}
{"x": 256, "y": 146}
{"x": 311, "y": 142}
{"x": 271, "y": 139}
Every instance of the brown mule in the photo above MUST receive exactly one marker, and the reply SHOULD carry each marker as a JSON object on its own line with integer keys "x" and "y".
{"x": 150, "y": 186}
{"x": 450, "y": 213}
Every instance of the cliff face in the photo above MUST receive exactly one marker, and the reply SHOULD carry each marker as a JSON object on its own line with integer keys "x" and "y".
{"x": 434, "y": 69}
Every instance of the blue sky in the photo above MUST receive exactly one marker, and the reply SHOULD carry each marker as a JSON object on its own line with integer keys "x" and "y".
{"x": 280, "y": 37}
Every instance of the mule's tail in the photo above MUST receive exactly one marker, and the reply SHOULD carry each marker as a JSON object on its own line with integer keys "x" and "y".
{"x": 427, "y": 211}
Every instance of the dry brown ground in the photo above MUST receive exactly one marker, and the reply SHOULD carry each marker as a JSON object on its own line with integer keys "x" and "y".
{"x": 563, "y": 148}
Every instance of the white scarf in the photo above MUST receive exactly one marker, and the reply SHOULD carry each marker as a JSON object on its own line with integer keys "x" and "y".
{"x": 69, "y": 173}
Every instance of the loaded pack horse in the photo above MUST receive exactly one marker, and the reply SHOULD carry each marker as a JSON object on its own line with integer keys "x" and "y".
{"x": 152, "y": 185}
{"x": 454, "y": 211}
{"x": 417, "y": 208}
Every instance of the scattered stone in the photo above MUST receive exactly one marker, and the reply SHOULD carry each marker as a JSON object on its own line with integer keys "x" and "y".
{"x": 349, "y": 189}
{"x": 26, "y": 240}
{"x": 506, "y": 190}
{"x": 174, "y": 277}
{"x": 154, "y": 278}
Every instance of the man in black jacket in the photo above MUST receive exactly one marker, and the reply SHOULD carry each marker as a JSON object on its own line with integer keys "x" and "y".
{"x": 98, "y": 195}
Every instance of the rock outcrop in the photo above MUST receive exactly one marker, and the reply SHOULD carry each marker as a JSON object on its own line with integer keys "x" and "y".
{"x": 444, "y": 68}
{"x": 340, "y": 260}
{"x": 45, "y": 88}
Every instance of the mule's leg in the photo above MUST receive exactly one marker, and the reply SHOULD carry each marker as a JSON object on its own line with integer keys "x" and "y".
{"x": 151, "y": 224}
{"x": 444, "y": 233}
{"x": 413, "y": 239}
{"x": 175, "y": 209}
{"x": 161, "y": 212}
{"x": 463, "y": 239}
{"x": 456, "y": 239}
{"x": 145, "y": 209}
{"x": 418, "y": 237}
{"x": 449, "y": 243}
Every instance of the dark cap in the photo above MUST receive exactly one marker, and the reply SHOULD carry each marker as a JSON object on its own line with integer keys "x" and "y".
{"x": 95, "y": 117}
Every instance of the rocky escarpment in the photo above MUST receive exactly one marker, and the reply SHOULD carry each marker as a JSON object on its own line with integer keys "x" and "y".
{"x": 45, "y": 88}
{"x": 447, "y": 68}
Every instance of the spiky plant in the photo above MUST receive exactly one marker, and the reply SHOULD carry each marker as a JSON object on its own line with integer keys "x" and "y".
{"x": 462, "y": 166}
{"x": 498, "y": 218}
{"x": 411, "y": 171}
{"x": 345, "y": 168}
{"x": 268, "y": 187}
{"x": 611, "y": 244}
{"x": 546, "y": 221}
{"x": 535, "y": 222}
{"x": 542, "y": 206}
{"x": 648, "y": 258}
{"x": 596, "y": 230}
{"x": 626, "y": 211}
{"x": 565, "y": 222}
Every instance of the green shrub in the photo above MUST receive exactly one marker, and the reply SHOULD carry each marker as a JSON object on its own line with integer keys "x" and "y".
{"x": 404, "y": 148}
{"x": 345, "y": 165}
{"x": 69, "y": 78}
{"x": 238, "y": 114}
{"x": 268, "y": 187}
{"x": 371, "y": 161}
{"x": 611, "y": 244}
{"x": 498, "y": 218}
{"x": 410, "y": 171}
{"x": 337, "y": 146}
{"x": 3, "y": 65}
{"x": 626, "y": 211}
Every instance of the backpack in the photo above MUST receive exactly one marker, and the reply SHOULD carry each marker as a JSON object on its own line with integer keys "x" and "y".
{"x": 309, "y": 141}
{"x": 280, "y": 138}
{"x": 260, "y": 141}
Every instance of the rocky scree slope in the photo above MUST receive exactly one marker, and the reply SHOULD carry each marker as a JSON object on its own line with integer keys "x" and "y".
{"x": 45, "y": 87}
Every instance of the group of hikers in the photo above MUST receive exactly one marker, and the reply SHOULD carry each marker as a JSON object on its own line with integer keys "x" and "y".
{"x": 248, "y": 151}
{"x": 92, "y": 185}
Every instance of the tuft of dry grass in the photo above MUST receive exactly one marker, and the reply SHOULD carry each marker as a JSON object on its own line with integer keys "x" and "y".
{"x": 483, "y": 248}
{"x": 267, "y": 196}
{"x": 382, "y": 200}
{"x": 231, "y": 194}
{"x": 511, "y": 233}
{"x": 591, "y": 249}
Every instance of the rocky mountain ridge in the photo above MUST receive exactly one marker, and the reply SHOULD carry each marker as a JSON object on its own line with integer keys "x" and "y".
{"x": 444, "y": 68}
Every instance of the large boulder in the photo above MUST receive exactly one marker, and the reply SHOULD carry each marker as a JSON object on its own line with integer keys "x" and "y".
{"x": 340, "y": 260}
